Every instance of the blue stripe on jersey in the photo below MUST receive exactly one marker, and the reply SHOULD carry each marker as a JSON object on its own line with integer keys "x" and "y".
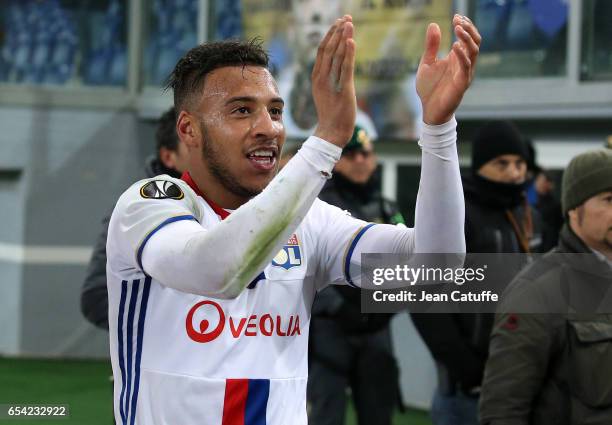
{"x": 257, "y": 402}
{"x": 129, "y": 345}
{"x": 260, "y": 276}
{"x": 152, "y": 232}
{"x": 347, "y": 260}
{"x": 139, "y": 336}
{"x": 120, "y": 347}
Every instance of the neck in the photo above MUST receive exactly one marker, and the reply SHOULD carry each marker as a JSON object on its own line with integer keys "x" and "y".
{"x": 214, "y": 191}
{"x": 495, "y": 194}
{"x": 606, "y": 252}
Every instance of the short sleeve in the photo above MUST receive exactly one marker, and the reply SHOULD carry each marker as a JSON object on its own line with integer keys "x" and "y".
{"x": 145, "y": 208}
{"x": 337, "y": 235}
{"x": 342, "y": 240}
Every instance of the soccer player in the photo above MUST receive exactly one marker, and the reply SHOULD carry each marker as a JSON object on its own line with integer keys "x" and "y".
{"x": 211, "y": 277}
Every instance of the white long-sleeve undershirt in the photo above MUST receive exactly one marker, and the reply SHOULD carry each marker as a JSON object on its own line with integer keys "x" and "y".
{"x": 440, "y": 209}
{"x": 180, "y": 254}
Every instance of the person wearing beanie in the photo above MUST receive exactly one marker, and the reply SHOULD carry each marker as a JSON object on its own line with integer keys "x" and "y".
{"x": 344, "y": 343}
{"x": 498, "y": 220}
{"x": 550, "y": 357}
{"x": 586, "y": 176}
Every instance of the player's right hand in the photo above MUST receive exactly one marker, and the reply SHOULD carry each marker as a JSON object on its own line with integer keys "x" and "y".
{"x": 333, "y": 85}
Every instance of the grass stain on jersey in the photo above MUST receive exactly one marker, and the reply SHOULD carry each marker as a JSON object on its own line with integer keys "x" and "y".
{"x": 261, "y": 250}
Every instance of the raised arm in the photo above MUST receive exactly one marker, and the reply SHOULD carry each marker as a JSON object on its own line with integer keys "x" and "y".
{"x": 440, "y": 211}
{"x": 222, "y": 260}
{"x": 441, "y": 84}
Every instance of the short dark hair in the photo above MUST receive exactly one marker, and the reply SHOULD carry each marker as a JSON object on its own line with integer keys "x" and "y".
{"x": 165, "y": 135}
{"x": 189, "y": 73}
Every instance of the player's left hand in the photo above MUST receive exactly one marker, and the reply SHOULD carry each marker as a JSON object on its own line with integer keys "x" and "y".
{"x": 441, "y": 83}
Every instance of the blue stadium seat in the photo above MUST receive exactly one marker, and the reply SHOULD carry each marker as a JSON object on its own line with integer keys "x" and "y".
{"x": 40, "y": 43}
{"x": 520, "y": 24}
{"x": 107, "y": 63}
{"x": 550, "y": 16}
{"x": 175, "y": 33}
{"x": 63, "y": 55}
{"x": 229, "y": 19}
{"x": 505, "y": 24}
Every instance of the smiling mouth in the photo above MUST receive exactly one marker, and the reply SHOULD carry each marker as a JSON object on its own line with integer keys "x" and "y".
{"x": 263, "y": 159}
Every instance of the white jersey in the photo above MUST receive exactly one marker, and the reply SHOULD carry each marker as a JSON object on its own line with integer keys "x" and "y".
{"x": 188, "y": 359}
{"x": 239, "y": 356}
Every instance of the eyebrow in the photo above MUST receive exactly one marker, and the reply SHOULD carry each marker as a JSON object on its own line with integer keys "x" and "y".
{"x": 252, "y": 99}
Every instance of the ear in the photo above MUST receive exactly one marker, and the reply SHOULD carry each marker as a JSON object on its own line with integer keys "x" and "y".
{"x": 575, "y": 219}
{"x": 188, "y": 130}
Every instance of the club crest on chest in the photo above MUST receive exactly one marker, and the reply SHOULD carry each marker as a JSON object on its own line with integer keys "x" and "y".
{"x": 290, "y": 255}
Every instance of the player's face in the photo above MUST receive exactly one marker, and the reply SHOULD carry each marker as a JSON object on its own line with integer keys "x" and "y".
{"x": 312, "y": 19}
{"x": 592, "y": 221}
{"x": 357, "y": 165}
{"x": 510, "y": 169}
{"x": 240, "y": 116}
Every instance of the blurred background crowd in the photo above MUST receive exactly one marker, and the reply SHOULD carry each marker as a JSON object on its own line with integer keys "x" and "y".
{"x": 81, "y": 97}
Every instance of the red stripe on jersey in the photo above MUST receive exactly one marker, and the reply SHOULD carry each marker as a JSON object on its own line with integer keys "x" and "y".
{"x": 234, "y": 404}
{"x": 186, "y": 177}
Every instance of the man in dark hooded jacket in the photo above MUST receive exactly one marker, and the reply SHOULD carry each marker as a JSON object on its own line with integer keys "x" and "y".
{"x": 171, "y": 159}
{"x": 498, "y": 220}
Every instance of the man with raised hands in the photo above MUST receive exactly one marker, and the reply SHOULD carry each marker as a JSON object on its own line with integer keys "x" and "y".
{"x": 211, "y": 277}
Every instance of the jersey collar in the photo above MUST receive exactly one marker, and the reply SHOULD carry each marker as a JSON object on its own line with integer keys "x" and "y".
{"x": 186, "y": 177}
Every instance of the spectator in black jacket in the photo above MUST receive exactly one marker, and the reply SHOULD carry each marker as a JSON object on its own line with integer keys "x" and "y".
{"x": 171, "y": 159}
{"x": 348, "y": 348}
{"x": 541, "y": 196}
{"x": 498, "y": 220}
{"x": 549, "y": 208}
